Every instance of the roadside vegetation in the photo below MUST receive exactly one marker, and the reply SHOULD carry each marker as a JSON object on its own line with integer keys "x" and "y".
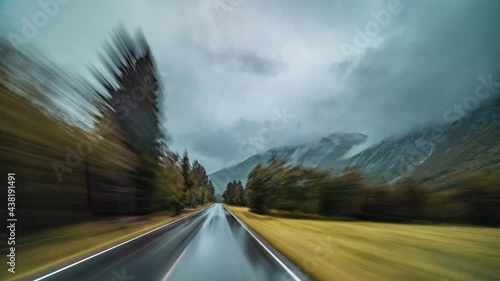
{"x": 343, "y": 227}
{"x": 307, "y": 192}
{"x": 55, "y": 247}
{"x": 235, "y": 194}
{"x": 83, "y": 149}
{"x": 88, "y": 153}
{"x": 356, "y": 250}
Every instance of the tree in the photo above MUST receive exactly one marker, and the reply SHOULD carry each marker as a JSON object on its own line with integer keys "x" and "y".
{"x": 211, "y": 192}
{"x": 133, "y": 93}
{"x": 200, "y": 183}
{"x": 342, "y": 195}
{"x": 259, "y": 186}
{"x": 235, "y": 194}
{"x": 230, "y": 194}
{"x": 240, "y": 190}
{"x": 170, "y": 184}
{"x": 408, "y": 200}
{"x": 481, "y": 195}
{"x": 188, "y": 180}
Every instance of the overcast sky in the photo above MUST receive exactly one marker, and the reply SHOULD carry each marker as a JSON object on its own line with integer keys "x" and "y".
{"x": 243, "y": 74}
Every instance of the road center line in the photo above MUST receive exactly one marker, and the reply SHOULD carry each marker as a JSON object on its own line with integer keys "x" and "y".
{"x": 116, "y": 246}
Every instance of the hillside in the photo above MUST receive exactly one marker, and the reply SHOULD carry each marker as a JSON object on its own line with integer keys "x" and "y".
{"x": 433, "y": 154}
{"x": 332, "y": 146}
{"x": 471, "y": 147}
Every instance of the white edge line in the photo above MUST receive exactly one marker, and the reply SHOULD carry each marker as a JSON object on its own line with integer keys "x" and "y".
{"x": 116, "y": 246}
{"x": 171, "y": 270}
{"x": 265, "y": 248}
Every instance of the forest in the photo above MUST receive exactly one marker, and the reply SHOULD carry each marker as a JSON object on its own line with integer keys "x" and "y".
{"x": 87, "y": 148}
{"x": 278, "y": 188}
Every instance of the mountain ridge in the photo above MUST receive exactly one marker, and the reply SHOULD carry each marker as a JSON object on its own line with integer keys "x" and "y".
{"x": 432, "y": 154}
{"x": 307, "y": 155}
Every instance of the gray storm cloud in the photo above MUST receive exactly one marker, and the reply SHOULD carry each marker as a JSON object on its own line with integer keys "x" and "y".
{"x": 226, "y": 73}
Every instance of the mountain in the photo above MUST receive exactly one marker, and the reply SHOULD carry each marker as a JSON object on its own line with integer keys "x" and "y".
{"x": 434, "y": 154}
{"x": 472, "y": 146}
{"x": 391, "y": 158}
{"x": 331, "y": 147}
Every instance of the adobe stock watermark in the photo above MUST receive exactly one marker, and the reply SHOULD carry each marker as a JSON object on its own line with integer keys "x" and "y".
{"x": 228, "y": 174}
{"x": 363, "y": 38}
{"x": 75, "y": 155}
{"x": 485, "y": 89}
{"x": 324, "y": 248}
{"x": 452, "y": 120}
{"x": 222, "y": 7}
{"x": 31, "y": 25}
{"x": 257, "y": 143}
{"x": 278, "y": 123}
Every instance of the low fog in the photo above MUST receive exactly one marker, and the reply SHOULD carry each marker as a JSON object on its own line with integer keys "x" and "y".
{"x": 277, "y": 73}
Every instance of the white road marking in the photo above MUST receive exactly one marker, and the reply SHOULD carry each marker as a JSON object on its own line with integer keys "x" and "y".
{"x": 171, "y": 270}
{"x": 116, "y": 246}
{"x": 295, "y": 277}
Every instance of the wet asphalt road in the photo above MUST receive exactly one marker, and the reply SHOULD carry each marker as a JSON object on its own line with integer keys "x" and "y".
{"x": 209, "y": 245}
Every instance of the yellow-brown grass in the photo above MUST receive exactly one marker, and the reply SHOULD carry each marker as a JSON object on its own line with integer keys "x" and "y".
{"x": 335, "y": 250}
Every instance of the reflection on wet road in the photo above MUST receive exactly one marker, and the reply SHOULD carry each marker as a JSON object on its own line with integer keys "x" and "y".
{"x": 209, "y": 245}
{"x": 223, "y": 250}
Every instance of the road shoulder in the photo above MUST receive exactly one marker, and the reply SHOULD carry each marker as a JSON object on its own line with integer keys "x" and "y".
{"x": 66, "y": 245}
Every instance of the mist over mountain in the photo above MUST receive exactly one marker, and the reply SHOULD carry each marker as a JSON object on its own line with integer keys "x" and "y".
{"x": 329, "y": 148}
{"x": 425, "y": 59}
{"x": 432, "y": 153}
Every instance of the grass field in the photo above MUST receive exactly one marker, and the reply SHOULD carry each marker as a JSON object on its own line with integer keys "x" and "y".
{"x": 338, "y": 250}
{"x": 49, "y": 249}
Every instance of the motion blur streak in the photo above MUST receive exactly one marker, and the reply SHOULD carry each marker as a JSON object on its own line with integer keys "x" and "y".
{"x": 219, "y": 245}
{"x": 84, "y": 148}
{"x": 224, "y": 250}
